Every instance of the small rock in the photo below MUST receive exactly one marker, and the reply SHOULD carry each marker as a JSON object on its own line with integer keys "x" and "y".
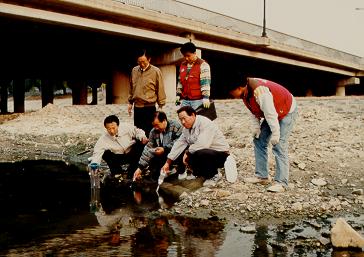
{"x": 331, "y": 187}
{"x": 204, "y": 202}
{"x": 183, "y": 195}
{"x": 177, "y": 210}
{"x": 281, "y": 208}
{"x": 222, "y": 193}
{"x": 315, "y": 224}
{"x": 344, "y": 181}
{"x": 238, "y": 196}
{"x": 357, "y": 192}
{"x": 248, "y": 229}
{"x": 324, "y": 241}
{"x": 301, "y": 166}
{"x": 343, "y": 235}
{"x": 318, "y": 182}
{"x": 297, "y": 207}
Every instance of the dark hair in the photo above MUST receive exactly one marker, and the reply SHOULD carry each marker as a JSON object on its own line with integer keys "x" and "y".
{"x": 111, "y": 119}
{"x": 141, "y": 52}
{"x": 188, "y": 109}
{"x": 236, "y": 80}
{"x": 188, "y": 48}
{"x": 161, "y": 116}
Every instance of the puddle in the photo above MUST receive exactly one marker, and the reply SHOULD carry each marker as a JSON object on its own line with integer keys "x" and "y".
{"x": 48, "y": 209}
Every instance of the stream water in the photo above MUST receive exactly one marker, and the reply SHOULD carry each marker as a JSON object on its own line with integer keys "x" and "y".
{"x": 48, "y": 209}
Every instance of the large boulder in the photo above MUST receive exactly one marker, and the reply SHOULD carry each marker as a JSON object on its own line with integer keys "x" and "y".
{"x": 343, "y": 235}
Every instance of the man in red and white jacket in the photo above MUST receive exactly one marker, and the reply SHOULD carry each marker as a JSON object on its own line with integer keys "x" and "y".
{"x": 274, "y": 111}
{"x": 193, "y": 87}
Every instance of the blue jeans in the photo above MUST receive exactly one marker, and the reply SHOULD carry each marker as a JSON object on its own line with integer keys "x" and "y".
{"x": 280, "y": 150}
{"x": 193, "y": 103}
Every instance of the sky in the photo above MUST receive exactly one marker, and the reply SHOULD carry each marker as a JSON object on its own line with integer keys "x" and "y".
{"x": 332, "y": 23}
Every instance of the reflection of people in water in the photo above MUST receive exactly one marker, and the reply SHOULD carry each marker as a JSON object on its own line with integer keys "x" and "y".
{"x": 136, "y": 227}
{"x": 260, "y": 240}
{"x": 159, "y": 235}
{"x": 155, "y": 238}
{"x": 201, "y": 237}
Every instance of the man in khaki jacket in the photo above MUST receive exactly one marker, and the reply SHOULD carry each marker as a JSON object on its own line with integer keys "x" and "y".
{"x": 146, "y": 89}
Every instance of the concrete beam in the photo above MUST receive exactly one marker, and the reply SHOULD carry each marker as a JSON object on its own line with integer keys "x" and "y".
{"x": 167, "y": 58}
{"x": 360, "y": 74}
{"x": 268, "y": 57}
{"x": 199, "y": 28}
{"x": 348, "y": 82}
{"x": 75, "y": 21}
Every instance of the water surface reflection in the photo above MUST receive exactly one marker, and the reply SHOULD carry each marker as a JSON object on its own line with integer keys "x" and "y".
{"x": 48, "y": 209}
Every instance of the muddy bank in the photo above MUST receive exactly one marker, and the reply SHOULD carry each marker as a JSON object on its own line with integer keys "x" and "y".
{"x": 326, "y": 156}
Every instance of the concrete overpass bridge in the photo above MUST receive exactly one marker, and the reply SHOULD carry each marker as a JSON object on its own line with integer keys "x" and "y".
{"x": 89, "y": 42}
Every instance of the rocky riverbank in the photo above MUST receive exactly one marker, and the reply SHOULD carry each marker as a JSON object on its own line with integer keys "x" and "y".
{"x": 326, "y": 156}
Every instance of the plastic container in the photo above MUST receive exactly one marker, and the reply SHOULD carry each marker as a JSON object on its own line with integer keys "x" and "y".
{"x": 94, "y": 178}
{"x": 161, "y": 178}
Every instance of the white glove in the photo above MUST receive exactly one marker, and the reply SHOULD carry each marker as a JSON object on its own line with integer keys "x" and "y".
{"x": 206, "y": 103}
{"x": 178, "y": 100}
{"x": 274, "y": 139}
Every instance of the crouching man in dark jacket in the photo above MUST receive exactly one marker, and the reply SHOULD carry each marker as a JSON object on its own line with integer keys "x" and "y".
{"x": 161, "y": 139}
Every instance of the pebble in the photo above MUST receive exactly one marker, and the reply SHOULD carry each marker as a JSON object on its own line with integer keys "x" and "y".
{"x": 318, "y": 182}
{"x": 248, "y": 229}
{"x": 357, "y": 192}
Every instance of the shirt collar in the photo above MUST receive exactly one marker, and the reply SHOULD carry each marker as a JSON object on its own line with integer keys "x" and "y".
{"x": 145, "y": 68}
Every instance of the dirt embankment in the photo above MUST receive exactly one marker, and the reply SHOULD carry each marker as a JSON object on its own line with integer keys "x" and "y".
{"x": 326, "y": 156}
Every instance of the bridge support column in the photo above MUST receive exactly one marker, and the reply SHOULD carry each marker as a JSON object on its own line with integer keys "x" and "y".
{"x": 47, "y": 92}
{"x": 340, "y": 87}
{"x": 79, "y": 92}
{"x": 170, "y": 81}
{"x": 167, "y": 64}
{"x": 94, "y": 84}
{"x": 309, "y": 92}
{"x": 340, "y": 91}
{"x": 19, "y": 95}
{"x": 4, "y": 96}
{"x": 120, "y": 87}
{"x": 94, "y": 95}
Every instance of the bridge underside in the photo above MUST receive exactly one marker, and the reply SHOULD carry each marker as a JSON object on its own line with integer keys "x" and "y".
{"x": 83, "y": 57}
